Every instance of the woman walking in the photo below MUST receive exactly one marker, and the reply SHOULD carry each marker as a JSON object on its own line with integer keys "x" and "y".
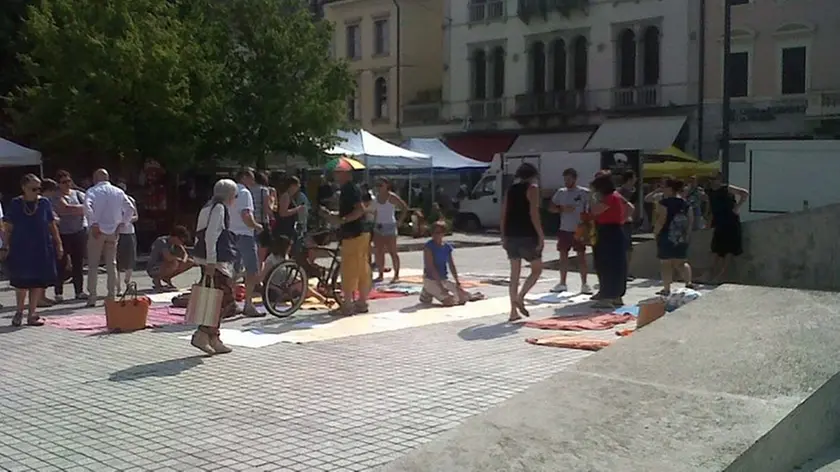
{"x": 287, "y": 216}
{"x": 673, "y": 229}
{"x": 610, "y": 249}
{"x": 127, "y": 244}
{"x": 34, "y": 246}
{"x": 216, "y": 253}
{"x": 522, "y": 235}
{"x": 386, "y": 227}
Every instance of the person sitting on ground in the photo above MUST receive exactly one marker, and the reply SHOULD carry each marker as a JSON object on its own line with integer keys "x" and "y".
{"x": 437, "y": 258}
{"x": 169, "y": 258}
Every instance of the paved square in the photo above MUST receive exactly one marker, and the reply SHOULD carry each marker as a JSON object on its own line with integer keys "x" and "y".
{"x": 146, "y": 401}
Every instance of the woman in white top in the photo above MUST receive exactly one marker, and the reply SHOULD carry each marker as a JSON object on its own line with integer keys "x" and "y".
{"x": 127, "y": 244}
{"x": 386, "y": 226}
{"x": 213, "y": 224}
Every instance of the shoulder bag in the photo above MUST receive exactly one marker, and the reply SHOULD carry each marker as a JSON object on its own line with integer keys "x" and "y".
{"x": 225, "y": 245}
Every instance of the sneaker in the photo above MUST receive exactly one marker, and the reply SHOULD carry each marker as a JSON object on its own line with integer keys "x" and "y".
{"x": 81, "y": 296}
{"x": 559, "y": 288}
{"x": 586, "y": 289}
{"x": 59, "y": 298}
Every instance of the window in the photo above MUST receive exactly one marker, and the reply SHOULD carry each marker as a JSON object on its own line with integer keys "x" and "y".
{"x": 380, "y": 98}
{"x": 558, "y": 80}
{"x": 794, "y": 69}
{"x": 579, "y": 63}
{"x": 352, "y": 111}
{"x": 354, "y": 42}
{"x": 537, "y": 53}
{"x": 486, "y": 187}
{"x": 479, "y": 74}
{"x": 627, "y": 58}
{"x": 498, "y": 60}
{"x": 380, "y": 37}
{"x": 739, "y": 74}
{"x": 738, "y": 2}
{"x": 650, "y": 58}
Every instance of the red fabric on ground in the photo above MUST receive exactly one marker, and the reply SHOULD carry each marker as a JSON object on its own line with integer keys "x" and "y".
{"x": 571, "y": 343}
{"x": 590, "y": 322}
{"x": 95, "y": 323}
{"x": 377, "y": 295}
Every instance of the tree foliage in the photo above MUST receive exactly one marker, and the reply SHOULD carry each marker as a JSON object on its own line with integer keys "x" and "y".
{"x": 178, "y": 81}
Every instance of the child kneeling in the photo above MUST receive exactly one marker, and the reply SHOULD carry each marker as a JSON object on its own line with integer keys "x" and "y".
{"x": 438, "y": 261}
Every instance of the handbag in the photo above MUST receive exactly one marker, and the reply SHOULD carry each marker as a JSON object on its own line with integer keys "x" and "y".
{"x": 129, "y": 313}
{"x": 205, "y": 305}
{"x": 225, "y": 245}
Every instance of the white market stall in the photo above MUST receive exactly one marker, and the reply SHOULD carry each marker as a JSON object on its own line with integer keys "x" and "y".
{"x": 15, "y": 155}
{"x": 376, "y": 153}
{"x": 444, "y": 159}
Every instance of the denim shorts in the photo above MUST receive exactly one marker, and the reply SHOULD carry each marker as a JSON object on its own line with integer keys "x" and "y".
{"x": 247, "y": 246}
{"x": 385, "y": 229}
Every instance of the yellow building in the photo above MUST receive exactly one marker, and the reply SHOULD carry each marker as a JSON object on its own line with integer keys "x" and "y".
{"x": 366, "y": 35}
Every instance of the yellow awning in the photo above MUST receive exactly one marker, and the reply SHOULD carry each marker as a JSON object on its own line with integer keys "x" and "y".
{"x": 676, "y": 153}
{"x": 680, "y": 169}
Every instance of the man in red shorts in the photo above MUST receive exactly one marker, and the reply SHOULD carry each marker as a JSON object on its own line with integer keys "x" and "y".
{"x": 570, "y": 201}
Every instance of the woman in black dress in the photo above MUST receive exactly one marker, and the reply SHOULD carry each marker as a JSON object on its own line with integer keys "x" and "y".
{"x": 674, "y": 222}
{"x": 724, "y": 205}
{"x": 34, "y": 247}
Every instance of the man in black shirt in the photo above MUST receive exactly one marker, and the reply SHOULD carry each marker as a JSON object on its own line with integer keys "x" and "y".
{"x": 355, "y": 245}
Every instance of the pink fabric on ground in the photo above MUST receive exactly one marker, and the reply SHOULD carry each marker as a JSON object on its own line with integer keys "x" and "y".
{"x": 589, "y": 322}
{"x": 95, "y": 323}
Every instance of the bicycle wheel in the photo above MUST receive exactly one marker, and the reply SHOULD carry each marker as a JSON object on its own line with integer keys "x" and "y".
{"x": 284, "y": 289}
{"x": 335, "y": 284}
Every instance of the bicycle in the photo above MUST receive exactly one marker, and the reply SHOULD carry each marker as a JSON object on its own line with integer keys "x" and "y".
{"x": 286, "y": 286}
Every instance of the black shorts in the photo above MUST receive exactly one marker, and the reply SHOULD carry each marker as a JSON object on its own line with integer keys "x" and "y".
{"x": 523, "y": 248}
{"x": 726, "y": 240}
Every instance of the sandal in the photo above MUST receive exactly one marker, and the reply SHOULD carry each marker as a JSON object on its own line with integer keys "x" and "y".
{"x": 520, "y": 305}
{"x": 341, "y": 311}
{"x": 664, "y": 292}
{"x": 361, "y": 307}
{"x": 34, "y": 320}
{"x": 17, "y": 320}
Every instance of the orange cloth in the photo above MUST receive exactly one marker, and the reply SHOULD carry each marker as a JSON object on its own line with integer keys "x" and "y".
{"x": 590, "y": 322}
{"x": 571, "y": 343}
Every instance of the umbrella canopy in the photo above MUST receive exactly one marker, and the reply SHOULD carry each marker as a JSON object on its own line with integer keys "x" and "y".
{"x": 674, "y": 152}
{"x": 443, "y": 158}
{"x": 343, "y": 163}
{"x": 680, "y": 169}
{"x": 14, "y": 155}
{"x": 378, "y": 153}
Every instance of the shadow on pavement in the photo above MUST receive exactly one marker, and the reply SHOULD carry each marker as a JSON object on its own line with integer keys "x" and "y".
{"x": 168, "y": 368}
{"x": 483, "y": 332}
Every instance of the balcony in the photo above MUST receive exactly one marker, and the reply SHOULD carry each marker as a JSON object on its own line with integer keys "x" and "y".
{"x": 486, "y": 11}
{"x": 421, "y": 113}
{"x": 637, "y": 98}
{"x": 565, "y": 102}
{"x": 486, "y": 110}
{"x": 823, "y": 105}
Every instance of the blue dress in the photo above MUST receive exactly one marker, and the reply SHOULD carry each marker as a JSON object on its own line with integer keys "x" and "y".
{"x": 32, "y": 259}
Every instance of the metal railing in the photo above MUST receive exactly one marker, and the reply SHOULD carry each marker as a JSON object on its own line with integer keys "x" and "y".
{"x": 486, "y": 109}
{"x": 486, "y": 11}
{"x": 634, "y": 98}
{"x": 551, "y": 102}
{"x": 421, "y": 113}
{"x": 824, "y": 103}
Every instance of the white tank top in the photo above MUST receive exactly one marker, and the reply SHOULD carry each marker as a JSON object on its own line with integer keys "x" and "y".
{"x": 385, "y": 212}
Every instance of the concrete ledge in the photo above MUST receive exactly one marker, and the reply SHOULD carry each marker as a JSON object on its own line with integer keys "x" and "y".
{"x": 722, "y": 384}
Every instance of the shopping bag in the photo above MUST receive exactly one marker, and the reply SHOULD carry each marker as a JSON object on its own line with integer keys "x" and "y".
{"x": 205, "y": 305}
{"x": 129, "y": 313}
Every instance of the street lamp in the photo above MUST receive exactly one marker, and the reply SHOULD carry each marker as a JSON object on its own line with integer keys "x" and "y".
{"x": 399, "y": 65}
{"x": 725, "y": 103}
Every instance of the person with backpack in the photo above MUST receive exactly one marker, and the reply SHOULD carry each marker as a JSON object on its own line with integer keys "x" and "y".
{"x": 673, "y": 225}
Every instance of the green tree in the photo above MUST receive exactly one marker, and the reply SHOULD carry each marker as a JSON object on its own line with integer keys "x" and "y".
{"x": 286, "y": 95}
{"x": 112, "y": 78}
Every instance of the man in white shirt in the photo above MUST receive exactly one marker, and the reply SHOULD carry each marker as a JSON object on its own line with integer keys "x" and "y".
{"x": 105, "y": 205}
{"x": 242, "y": 224}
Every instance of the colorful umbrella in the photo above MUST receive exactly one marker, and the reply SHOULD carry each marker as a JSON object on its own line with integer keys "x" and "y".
{"x": 343, "y": 163}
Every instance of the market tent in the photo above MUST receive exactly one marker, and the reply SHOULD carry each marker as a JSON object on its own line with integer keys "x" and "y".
{"x": 680, "y": 169}
{"x": 377, "y": 153}
{"x": 443, "y": 158}
{"x": 15, "y": 155}
{"x": 676, "y": 153}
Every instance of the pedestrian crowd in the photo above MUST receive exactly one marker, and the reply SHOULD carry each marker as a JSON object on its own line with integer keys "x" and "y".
{"x": 54, "y": 228}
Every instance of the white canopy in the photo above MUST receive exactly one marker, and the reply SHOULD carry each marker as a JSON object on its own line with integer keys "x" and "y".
{"x": 377, "y": 153}
{"x": 15, "y": 155}
{"x": 443, "y": 157}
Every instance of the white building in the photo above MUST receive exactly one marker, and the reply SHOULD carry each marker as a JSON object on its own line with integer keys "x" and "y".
{"x": 520, "y": 67}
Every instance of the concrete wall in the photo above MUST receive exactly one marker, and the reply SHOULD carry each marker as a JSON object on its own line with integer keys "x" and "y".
{"x": 796, "y": 250}
{"x": 421, "y": 46}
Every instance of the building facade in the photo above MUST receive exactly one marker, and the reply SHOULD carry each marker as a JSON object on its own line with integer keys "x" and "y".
{"x": 546, "y": 66}
{"x": 390, "y": 71}
{"x": 784, "y": 82}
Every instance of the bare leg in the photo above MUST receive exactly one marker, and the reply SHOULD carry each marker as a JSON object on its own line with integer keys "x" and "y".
{"x": 395, "y": 256}
{"x": 533, "y": 277}
{"x": 35, "y": 294}
{"x": 513, "y": 288}
{"x": 20, "y": 299}
{"x": 666, "y": 267}
{"x": 379, "y": 255}
{"x": 685, "y": 268}
{"x": 564, "y": 266}
{"x": 582, "y": 266}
